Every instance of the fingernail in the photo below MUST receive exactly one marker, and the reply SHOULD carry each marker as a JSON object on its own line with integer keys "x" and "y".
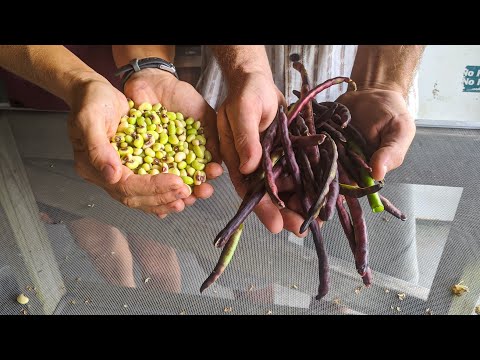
{"x": 108, "y": 172}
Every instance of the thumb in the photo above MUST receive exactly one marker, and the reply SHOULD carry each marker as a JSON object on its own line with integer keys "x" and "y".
{"x": 101, "y": 154}
{"x": 394, "y": 144}
{"x": 247, "y": 140}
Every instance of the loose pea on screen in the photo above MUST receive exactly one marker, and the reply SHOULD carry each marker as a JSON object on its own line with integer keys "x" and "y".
{"x": 152, "y": 140}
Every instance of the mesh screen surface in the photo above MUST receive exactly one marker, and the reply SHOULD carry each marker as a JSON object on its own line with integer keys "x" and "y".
{"x": 100, "y": 257}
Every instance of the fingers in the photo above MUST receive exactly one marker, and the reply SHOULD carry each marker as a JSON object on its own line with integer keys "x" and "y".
{"x": 163, "y": 210}
{"x": 140, "y": 91}
{"x": 148, "y": 185}
{"x": 292, "y": 222}
{"x": 229, "y": 154}
{"x": 208, "y": 117}
{"x": 269, "y": 215}
{"x": 157, "y": 194}
{"x": 101, "y": 154}
{"x": 213, "y": 170}
{"x": 156, "y": 199}
{"x": 203, "y": 191}
{"x": 395, "y": 141}
{"x": 291, "y": 216}
{"x": 189, "y": 201}
{"x": 244, "y": 123}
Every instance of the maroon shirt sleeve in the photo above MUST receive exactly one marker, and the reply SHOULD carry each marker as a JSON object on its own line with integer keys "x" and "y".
{"x": 22, "y": 93}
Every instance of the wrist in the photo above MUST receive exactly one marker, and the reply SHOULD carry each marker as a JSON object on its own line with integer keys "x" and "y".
{"x": 243, "y": 77}
{"x": 151, "y": 73}
{"x": 382, "y": 85}
{"x": 241, "y": 61}
{"x": 76, "y": 79}
{"x": 148, "y": 79}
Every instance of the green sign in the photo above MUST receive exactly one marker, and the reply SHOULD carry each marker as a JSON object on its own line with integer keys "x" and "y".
{"x": 471, "y": 79}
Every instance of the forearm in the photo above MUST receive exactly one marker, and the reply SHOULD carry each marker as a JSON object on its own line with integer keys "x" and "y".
{"x": 52, "y": 67}
{"x": 236, "y": 60}
{"x": 390, "y": 67}
{"x": 123, "y": 54}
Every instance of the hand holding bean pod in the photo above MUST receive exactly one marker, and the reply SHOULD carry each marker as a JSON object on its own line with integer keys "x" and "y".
{"x": 339, "y": 169}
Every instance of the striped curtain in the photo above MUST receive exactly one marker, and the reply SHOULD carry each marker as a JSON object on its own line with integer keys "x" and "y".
{"x": 321, "y": 61}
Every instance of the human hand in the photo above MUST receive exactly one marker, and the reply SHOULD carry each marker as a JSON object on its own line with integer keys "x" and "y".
{"x": 96, "y": 109}
{"x": 158, "y": 86}
{"x": 383, "y": 119}
{"x": 250, "y": 107}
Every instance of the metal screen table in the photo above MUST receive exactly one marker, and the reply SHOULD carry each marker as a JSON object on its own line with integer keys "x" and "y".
{"x": 72, "y": 249}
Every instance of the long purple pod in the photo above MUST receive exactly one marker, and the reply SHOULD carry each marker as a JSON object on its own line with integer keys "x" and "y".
{"x": 358, "y": 192}
{"x": 318, "y": 108}
{"x": 301, "y": 126}
{"x": 326, "y": 212}
{"x": 392, "y": 209}
{"x": 259, "y": 174}
{"x": 367, "y": 278}
{"x": 337, "y": 127}
{"x": 312, "y": 93}
{"x": 359, "y": 226}
{"x": 306, "y": 141}
{"x": 361, "y": 237}
{"x": 246, "y": 207}
{"x": 324, "y": 157}
{"x": 297, "y": 93}
{"x": 316, "y": 165}
{"x": 347, "y": 163}
{"x": 347, "y": 226}
{"x": 324, "y": 117}
{"x": 323, "y": 270}
{"x": 315, "y": 209}
{"x": 225, "y": 258}
{"x": 334, "y": 133}
{"x": 307, "y": 176}
{"x": 352, "y": 132}
{"x": 288, "y": 151}
{"x": 308, "y": 111}
{"x": 305, "y": 201}
{"x": 358, "y": 160}
{"x": 307, "y": 172}
{"x": 344, "y": 116}
{"x": 267, "y": 143}
{"x": 312, "y": 152}
{"x": 346, "y": 222}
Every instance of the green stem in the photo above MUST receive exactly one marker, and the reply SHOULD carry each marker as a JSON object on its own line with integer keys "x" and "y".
{"x": 373, "y": 199}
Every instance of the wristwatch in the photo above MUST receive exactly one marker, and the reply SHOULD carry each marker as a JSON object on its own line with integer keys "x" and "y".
{"x": 138, "y": 64}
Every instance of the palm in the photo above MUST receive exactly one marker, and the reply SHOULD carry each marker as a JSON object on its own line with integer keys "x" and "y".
{"x": 156, "y": 86}
{"x": 248, "y": 110}
{"x": 383, "y": 119}
{"x": 99, "y": 100}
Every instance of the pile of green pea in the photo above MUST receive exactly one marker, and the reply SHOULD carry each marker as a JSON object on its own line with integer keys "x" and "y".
{"x": 152, "y": 140}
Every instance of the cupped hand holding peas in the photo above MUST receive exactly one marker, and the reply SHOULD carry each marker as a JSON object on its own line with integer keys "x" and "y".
{"x": 96, "y": 111}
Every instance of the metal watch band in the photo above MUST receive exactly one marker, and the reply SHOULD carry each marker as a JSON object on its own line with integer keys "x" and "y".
{"x": 138, "y": 64}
